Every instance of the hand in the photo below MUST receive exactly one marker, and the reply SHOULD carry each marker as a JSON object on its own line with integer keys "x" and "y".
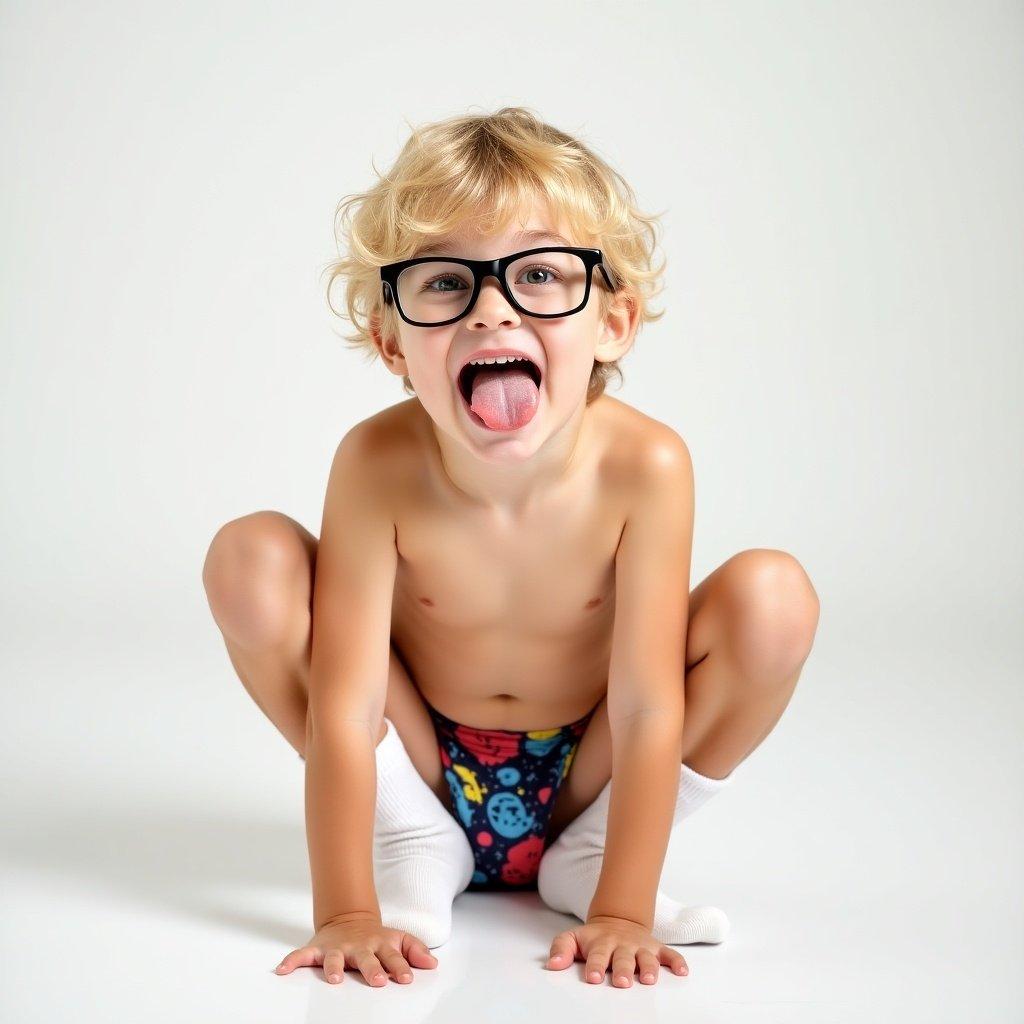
{"x": 362, "y": 943}
{"x": 625, "y": 943}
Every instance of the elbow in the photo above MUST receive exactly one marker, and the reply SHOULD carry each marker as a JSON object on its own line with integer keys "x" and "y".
{"x": 337, "y": 727}
{"x": 653, "y": 723}
{"x": 664, "y": 707}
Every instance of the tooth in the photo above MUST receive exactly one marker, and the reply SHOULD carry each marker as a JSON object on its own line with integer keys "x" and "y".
{"x": 500, "y": 360}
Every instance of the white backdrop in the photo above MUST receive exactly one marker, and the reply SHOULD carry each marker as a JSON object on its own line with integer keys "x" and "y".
{"x": 842, "y": 352}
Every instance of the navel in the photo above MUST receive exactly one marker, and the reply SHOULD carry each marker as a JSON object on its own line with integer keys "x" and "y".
{"x": 593, "y": 602}
{"x": 426, "y": 601}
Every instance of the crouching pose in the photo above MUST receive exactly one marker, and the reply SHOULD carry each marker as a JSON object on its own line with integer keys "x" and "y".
{"x": 491, "y": 659}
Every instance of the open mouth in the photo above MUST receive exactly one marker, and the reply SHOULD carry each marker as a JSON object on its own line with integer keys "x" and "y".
{"x": 470, "y": 370}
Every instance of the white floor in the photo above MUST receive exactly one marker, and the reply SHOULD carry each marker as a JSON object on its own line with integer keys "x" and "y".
{"x": 869, "y": 857}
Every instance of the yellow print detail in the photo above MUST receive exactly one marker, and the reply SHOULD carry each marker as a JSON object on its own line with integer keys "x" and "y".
{"x": 543, "y": 734}
{"x": 470, "y": 786}
{"x": 567, "y": 762}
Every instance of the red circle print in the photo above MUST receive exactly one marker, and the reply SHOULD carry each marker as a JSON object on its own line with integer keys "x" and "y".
{"x": 488, "y": 746}
{"x": 484, "y": 838}
{"x": 522, "y": 861}
{"x": 544, "y": 794}
{"x": 445, "y": 759}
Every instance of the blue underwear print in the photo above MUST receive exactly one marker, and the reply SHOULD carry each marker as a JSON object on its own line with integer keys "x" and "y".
{"x": 503, "y": 784}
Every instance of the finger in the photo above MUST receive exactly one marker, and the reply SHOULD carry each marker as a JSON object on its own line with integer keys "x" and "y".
{"x": 673, "y": 960}
{"x": 647, "y": 964}
{"x": 563, "y": 951}
{"x": 416, "y": 952}
{"x": 334, "y": 966}
{"x": 371, "y": 968}
{"x": 597, "y": 964}
{"x": 307, "y": 956}
{"x": 623, "y": 966}
{"x": 397, "y": 966}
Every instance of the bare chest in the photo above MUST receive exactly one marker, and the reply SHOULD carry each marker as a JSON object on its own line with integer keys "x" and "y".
{"x": 504, "y": 619}
{"x": 490, "y": 612}
{"x": 527, "y": 578}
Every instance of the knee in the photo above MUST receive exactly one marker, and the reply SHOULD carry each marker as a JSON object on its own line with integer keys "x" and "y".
{"x": 773, "y": 613}
{"x": 251, "y": 572}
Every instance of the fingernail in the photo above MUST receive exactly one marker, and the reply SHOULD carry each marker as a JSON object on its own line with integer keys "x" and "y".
{"x": 594, "y": 976}
{"x": 379, "y": 977}
{"x": 648, "y": 977}
{"x": 334, "y": 977}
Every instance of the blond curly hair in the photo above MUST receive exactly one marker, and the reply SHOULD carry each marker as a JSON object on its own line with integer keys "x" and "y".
{"x": 486, "y": 170}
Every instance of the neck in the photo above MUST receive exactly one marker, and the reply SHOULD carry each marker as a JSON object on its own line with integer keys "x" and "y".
{"x": 507, "y": 483}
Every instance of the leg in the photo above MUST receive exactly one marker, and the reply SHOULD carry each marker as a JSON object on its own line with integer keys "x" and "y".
{"x": 751, "y": 625}
{"x": 258, "y": 576}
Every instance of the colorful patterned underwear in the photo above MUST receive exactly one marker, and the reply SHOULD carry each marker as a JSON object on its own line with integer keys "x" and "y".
{"x": 503, "y": 785}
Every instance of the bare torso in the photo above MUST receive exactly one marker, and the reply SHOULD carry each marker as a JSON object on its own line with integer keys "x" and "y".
{"x": 504, "y": 620}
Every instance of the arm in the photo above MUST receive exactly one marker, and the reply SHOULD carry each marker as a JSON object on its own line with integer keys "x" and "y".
{"x": 645, "y": 684}
{"x": 349, "y": 662}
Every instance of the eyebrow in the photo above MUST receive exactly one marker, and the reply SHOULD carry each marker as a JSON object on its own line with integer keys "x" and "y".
{"x": 533, "y": 235}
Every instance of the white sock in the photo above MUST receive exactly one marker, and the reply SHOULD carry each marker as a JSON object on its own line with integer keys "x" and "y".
{"x": 570, "y": 867}
{"x": 421, "y": 857}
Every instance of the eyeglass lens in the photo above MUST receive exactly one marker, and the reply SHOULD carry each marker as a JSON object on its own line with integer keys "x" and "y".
{"x": 543, "y": 282}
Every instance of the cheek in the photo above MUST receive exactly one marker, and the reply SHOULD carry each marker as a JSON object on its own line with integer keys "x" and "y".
{"x": 570, "y": 356}
{"x": 425, "y": 356}
{"x": 433, "y": 387}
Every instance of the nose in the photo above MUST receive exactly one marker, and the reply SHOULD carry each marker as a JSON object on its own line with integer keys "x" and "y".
{"x": 492, "y": 309}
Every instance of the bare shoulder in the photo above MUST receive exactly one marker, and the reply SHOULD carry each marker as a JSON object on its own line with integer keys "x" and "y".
{"x": 375, "y": 453}
{"x": 384, "y": 433}
{"x": 643, "y": 451}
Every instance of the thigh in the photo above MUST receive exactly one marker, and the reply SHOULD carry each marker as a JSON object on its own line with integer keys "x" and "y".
{"x": 274, "y": 558}
{"x": 591, "y": 768}
{"x": 407, "y": 711}
{"x": 258, "y": 577}
{"x": 702, "y": 624}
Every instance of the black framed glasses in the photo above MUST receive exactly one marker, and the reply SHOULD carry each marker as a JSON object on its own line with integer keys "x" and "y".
{"x": 550, "y": 281}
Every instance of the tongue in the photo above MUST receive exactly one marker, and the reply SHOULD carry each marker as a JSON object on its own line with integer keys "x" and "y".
{"x": 504, "y": 399}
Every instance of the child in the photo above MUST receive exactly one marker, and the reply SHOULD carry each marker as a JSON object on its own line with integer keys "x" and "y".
{"x": 487, "y": 679}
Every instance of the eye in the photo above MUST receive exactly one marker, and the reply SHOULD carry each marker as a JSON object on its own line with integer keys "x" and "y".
{"x": 541, "y": 270}
{"x": 452, "y": 278}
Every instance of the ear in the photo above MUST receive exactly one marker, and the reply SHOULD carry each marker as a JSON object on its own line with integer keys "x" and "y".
{"x": 619, "y": 327}
{"x": 388, "y": 347}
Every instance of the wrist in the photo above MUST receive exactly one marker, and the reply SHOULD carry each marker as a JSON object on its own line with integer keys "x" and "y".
{"x": 604, "y": 918}
{"x": 347, "y": 917}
